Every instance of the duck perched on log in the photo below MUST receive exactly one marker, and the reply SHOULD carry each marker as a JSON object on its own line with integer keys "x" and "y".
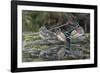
{"x": 46, "y": 34}
{"x": 63, "y": 33}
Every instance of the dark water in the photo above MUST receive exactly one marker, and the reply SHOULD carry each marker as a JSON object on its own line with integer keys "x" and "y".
{"x": 37, "y": 49}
